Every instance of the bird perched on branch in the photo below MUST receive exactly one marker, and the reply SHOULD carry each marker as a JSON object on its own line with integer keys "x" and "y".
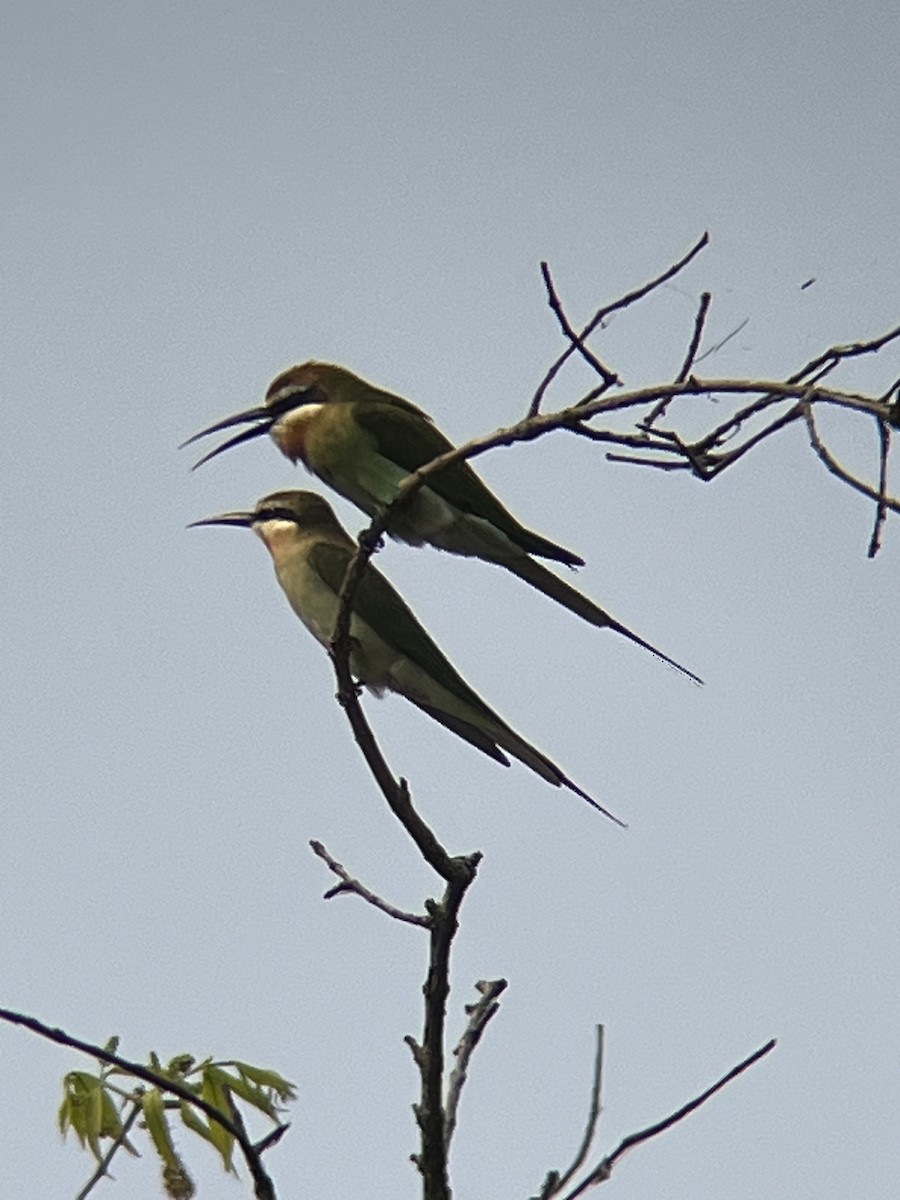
{"x": 363, "y": 442}
{"x": 390, "y": 650}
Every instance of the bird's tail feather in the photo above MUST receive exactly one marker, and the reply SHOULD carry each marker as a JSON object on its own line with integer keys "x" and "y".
{"x": 514, "y": 745}
{"x": 563, "y": 593}
{"x": 535, "y": 543}
{"x": 547, "y": 769}
{"x": 468, "y": 732}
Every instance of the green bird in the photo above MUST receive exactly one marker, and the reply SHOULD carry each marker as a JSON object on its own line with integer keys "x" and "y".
{"x": 363, "y": 441}
{"x": 391, "y": 651}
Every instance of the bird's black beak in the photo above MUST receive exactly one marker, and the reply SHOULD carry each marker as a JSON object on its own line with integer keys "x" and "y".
{"x": 263, "y": 416}
{"x": 244, "y": 519}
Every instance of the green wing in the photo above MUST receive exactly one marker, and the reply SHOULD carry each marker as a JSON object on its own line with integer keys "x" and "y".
{"x": 413, "y": 440}
{"x": 386, "y": 612}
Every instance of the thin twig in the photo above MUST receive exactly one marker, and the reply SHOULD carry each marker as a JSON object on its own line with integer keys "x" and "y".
{"x": 716, "y": 463}
{"x": 881, "y": 512}
{"x": 689, "y": 359}
{"x": 892, "y": 399}
{"x": 633, "y": 460}
{"x": 644, "y": 289}
{"x": 732, "y": 427}
{"x": 480, "y": 1014}
{"x": 590, "y": 1129}
{"x": 609, "y": 377}
{"x": 831, "y": 464}
{"x": 122, "y": 1136}
{"x": 353, "y": 886}
{"x": 699, "y": 322}
{"x": 829, "y": 359}
{"x": 638, "y": 441}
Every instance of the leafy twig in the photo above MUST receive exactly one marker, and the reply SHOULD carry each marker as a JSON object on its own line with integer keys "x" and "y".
{"x": 264, "y": 1189}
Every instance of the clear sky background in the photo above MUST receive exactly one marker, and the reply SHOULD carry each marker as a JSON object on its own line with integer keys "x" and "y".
{"x": 193, "y": 198}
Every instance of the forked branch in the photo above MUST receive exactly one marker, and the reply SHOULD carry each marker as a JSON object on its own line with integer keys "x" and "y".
{"x": 555, "y": 1183}
{"x": 666, "y": 448}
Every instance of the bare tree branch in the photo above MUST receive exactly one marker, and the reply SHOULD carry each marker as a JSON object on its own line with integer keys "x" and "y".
{"x": 349, "y": 885}
{"x": 689, "y": 359}
{"x": 604, "y": 1169}
{"x": 881, "y": 511}
{"x": 555, "y": 1182}
{"x": 699, "y": 322}
{"x": 431, "y": 1115}
{"x": 609, "y": 377}
{"x": 442, "y": 916}
{"x": 715, "y": 464}
{"x": 395, "y": 791}
{"x": 480, "y": 1014}
{"x": 831, "y": 464}
{"x": 830, "y": 358}
{"x": 706, "y": 457}
{"x": 602, "y": 313}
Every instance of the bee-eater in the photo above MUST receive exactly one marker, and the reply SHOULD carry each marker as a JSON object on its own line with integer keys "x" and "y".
{"x": 391, "y": 651}
{"x": 363, "y": 442}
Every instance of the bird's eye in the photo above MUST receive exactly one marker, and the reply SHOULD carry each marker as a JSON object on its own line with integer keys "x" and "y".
{"x": 282, "y": 402}
{"x": 275, "y": 513}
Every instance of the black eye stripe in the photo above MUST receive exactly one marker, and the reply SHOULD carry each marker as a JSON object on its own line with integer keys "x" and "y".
{"x": 275, "y": 513}
{"x": 292, "y": 399}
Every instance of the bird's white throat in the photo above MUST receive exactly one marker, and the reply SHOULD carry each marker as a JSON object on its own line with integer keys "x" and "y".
{"x": 276, "y": 534}
{"x": 296, "y": 418}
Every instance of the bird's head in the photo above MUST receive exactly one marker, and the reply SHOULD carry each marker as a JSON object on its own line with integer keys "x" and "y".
{"x": 292, "y": 398}
{"x": 280, "y": 518}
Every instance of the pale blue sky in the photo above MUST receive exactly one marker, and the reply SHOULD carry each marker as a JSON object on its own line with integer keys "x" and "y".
{"x": 194, "y": 197}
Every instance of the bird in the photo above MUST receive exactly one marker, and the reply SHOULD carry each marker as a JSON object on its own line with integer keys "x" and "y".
{"x": 363, "y": 441}
{"x": 390, "y": 649}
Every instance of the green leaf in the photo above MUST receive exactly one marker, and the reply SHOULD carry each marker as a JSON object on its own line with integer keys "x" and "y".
{"x": 90, "y": 1111}
{"x": 177, "y": 1183}
{"x": 154, "y": 1111}
{"x": 194, "y": 1121}
{"x": 110, "y": 1121}
{"x": 214, "y": 1090}
{"x": 250, "y": 1092}
{"x": 269, "y": 1079}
